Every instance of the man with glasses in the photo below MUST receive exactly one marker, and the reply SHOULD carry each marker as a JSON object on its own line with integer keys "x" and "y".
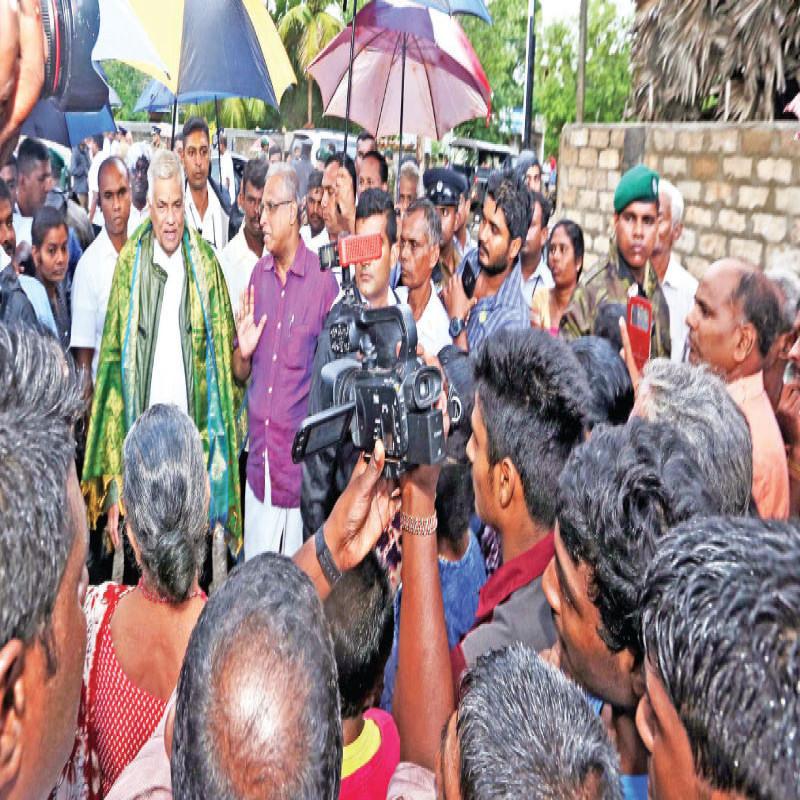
{"x": 281, "y": 313}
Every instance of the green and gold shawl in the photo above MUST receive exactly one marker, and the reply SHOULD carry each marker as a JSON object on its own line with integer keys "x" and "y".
{"x": 215, "y": 398}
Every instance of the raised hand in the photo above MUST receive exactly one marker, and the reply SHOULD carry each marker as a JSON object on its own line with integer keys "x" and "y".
{"x": 247, "y": 332}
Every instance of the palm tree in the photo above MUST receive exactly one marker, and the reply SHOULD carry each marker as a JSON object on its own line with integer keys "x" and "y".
{"x": 737, "y": 59}
{"x": 306, "y": 29}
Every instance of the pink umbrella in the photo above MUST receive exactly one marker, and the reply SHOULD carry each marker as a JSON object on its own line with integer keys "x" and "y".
{"x": 407, "y": 58}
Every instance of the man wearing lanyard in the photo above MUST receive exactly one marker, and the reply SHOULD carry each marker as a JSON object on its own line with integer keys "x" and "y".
{"x": 203, "y": 210}
{"x": 281, "y": 313}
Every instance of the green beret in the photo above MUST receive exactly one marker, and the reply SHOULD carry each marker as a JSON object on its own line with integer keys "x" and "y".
{"x": 637, "y": 184}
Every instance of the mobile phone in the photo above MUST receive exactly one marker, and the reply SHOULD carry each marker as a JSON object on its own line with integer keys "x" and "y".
{"x": 322, "y": 430}
{"x": 640, "y": 326}
{"x": 468, "y": 278}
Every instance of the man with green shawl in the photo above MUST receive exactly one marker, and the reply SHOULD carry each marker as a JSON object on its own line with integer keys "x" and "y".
{"x": 168, "y": 338}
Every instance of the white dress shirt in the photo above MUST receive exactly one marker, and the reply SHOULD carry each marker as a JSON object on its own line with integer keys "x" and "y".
{"x": 93, "y": 179}
{"x": 315, "y": 242}
{"x": 237, "y": 261}
{"x": 91, "y": 288}
{"x": 22, "y": 227}
{"x": 679, "y": 288}
{"x": 433, "y": 327}
{"x": 137, "y": 217}
{"x": 213, "y": 225}
{"x": 168, "y": 379}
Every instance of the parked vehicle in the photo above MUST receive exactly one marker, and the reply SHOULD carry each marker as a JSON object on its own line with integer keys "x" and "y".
{"x": 322, "y": 139}
{"x": 475, "y": 159}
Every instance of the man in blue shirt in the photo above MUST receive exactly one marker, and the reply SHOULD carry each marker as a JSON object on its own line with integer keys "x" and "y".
{"x": 496, "y": 302}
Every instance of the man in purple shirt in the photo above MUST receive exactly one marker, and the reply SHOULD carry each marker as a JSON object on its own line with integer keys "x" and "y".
{"x": 290, "y": 297}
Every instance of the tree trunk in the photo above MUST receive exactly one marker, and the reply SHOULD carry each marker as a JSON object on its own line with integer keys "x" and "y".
{"x": 581, "y": 89}
{"x": 310, "y": 98}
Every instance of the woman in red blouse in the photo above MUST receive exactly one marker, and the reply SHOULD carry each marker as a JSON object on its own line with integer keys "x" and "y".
{"x": 137, "y": 636}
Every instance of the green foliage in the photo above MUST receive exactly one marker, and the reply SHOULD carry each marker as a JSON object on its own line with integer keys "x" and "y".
{"x": 608, "y": 77}
{"x": 129, "y": 83}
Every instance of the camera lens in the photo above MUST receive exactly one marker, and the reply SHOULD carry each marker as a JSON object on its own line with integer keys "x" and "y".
{"x": 70, "y": 32}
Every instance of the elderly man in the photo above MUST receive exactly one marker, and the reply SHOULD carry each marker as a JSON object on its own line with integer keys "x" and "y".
{"x": 138, "y": 162}
{"x": 719, "y": 619}
{"x": 419, "y": 251}
{"x": 676, "y": 283}
{"x": 409, "y": 186}
{"x": 43, "y": 579}
{"x": 787, "y": 286}
{"x": 731, "y": 328}
{"x": 203, "y": 210}
{"x": 91, "y": 285}
{"x": 497, "y": 301}
{"x": 444, "y": 188}
{"x": 168, "y": 338}
{"x": 243, "y": 251}
{"x": 281, "y": 314}
{"x": 314, "y": 234}
{"x": 628, "y": 269}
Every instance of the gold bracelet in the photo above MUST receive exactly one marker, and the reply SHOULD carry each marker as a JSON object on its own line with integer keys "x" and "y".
{"x": 418, "y": 526}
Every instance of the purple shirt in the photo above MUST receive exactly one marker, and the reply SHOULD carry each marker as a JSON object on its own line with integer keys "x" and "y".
{"x": 281, "y": 370}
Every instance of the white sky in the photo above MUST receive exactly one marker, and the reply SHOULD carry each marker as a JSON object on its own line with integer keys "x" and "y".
{"x": 564, "y": 9}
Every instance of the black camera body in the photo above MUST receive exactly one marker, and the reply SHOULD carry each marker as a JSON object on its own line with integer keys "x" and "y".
{"x": 387, "y": 392}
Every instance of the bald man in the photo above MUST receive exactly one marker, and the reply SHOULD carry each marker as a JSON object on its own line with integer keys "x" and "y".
{"x": 731, "y": 328}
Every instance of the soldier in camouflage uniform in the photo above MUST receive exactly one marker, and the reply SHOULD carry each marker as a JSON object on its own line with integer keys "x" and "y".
{"x": 628, "y": 270}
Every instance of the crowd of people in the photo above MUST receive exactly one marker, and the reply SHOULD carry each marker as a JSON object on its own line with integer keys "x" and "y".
{"x": 594, "y": 595}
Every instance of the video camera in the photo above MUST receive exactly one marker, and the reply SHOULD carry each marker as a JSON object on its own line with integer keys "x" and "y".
{"x": 377, "y": 387}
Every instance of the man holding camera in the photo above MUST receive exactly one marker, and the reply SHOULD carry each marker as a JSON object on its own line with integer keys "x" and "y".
{"x": 281, "y": 314}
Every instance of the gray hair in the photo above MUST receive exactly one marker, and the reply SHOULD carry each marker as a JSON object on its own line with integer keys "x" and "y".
{"x": 675, "y": 200}
{"x": 789, "y": 286}
{"x": 165, "y": 165}
{"x": 290, "y": 181}
{"x": 697, "y": 403}
{"x": 40, "y": 401}
{"x": 410, "y": 171}
{"x": 164, "y": 477}
{"x": 433, "y": 221}
{"x": 524, "y": 730}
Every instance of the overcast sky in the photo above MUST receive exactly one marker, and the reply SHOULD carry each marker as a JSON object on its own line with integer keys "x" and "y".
{"x": 563, "y": 9}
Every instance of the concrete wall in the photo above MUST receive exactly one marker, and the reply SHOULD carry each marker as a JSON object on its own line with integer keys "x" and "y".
{"x": 740, "y": 184}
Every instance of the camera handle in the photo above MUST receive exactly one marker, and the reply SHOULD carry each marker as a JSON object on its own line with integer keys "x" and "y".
{"x": 400, "y": 317}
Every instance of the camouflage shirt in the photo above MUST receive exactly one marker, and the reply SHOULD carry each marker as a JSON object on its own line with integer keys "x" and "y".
{"x": 611, "y": 282}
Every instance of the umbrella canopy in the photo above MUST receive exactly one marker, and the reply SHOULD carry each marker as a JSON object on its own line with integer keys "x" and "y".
{"x": 157, "y": 97}
{"x": 474, "y": 8}
{"x": 47, "y": 121}
{"x": 227, "y": 48}
{"x": 123, "y": 37}
{"x": 406, "y": 55}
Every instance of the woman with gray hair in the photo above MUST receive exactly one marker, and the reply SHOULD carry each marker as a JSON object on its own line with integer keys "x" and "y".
{"x": 137, "y": 636}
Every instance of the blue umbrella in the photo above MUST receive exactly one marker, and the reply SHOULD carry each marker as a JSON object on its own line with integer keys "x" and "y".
{"x": 475, "y": 8}
{"x": 157, "y": 97}
{"x": 47, "y": 121}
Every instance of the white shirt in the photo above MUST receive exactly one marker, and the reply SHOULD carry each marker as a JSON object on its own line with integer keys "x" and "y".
{"x": 315, "y": 242}
{"x": 91, "y": 287}
{"x": 433, "y": 326}
{"x": 226, "y": 174}
{"x": 679, "y": 288}
{"x": 237, "y": 261}
{"x": 213, "y": 225}
{"x": 4, "y": 259}
{"x": 168, "y": 379}
{"x": 137, "y": 217}
{"x": 94, "y": 185}
{"x": 541, "y": 277}
{"x": 22, "y": 227}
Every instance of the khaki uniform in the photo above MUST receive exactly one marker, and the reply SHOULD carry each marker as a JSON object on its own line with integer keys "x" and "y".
{"x": 610, "y": 282}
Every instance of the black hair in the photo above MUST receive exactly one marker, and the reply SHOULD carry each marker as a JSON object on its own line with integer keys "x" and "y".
{"x": 31, "y": 153}
{"x": 255, "y": 173}
{"x": 619, "y": 494}
{"x": 376, "y": 201}
{"x": 383, "y": 167}
{"x": 364, "y": 135}
{"x": 760, "y": 306}
{"x": 606, "y": 323}
{"x": 345, "y": 161}
{"x": 516, "y": 205}
{"x": 532, "y": 394}
{"x": 610, "y": 398}
{"x": 575, "y": 235}
{"x": 315, "y": 179}
{"x": 11, "y": 161}
{"x": 40, "y": 401}
{"x": 257, "y": 699}
{"x": 44, "y": 220}
{"x": 538, "y": 199}
{"x": 721, "y": 614}
{"x": 194, "y": 124}
{"x": 455, "y": 501}
{"x": 5, "y": 193}
{"x": 360, "y": 614}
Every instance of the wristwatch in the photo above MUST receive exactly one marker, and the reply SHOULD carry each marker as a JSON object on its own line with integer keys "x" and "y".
{"x": 331, "y": 572}
{"x": 456, "y": 327}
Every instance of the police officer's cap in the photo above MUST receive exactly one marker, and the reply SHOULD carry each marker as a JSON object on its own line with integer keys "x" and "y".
{"x": 443, "y": 186}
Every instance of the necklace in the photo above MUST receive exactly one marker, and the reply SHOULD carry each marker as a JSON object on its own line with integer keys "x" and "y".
{"x": 154, "y": 598}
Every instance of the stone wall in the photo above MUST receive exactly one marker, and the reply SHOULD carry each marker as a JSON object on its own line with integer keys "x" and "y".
{"x": 740, "y": 184}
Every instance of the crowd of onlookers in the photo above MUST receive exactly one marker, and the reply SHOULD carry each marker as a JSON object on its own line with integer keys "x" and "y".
{"x": 595, "y": 594}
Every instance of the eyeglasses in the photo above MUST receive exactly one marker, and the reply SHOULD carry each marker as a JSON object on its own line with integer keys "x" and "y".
{"x": 271, "y": 208}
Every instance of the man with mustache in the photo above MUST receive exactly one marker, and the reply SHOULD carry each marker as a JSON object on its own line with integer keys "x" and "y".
{"x": 314, "y": 234}
{"x": 628, "y": 271}
{"x": 14, "y": 304}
